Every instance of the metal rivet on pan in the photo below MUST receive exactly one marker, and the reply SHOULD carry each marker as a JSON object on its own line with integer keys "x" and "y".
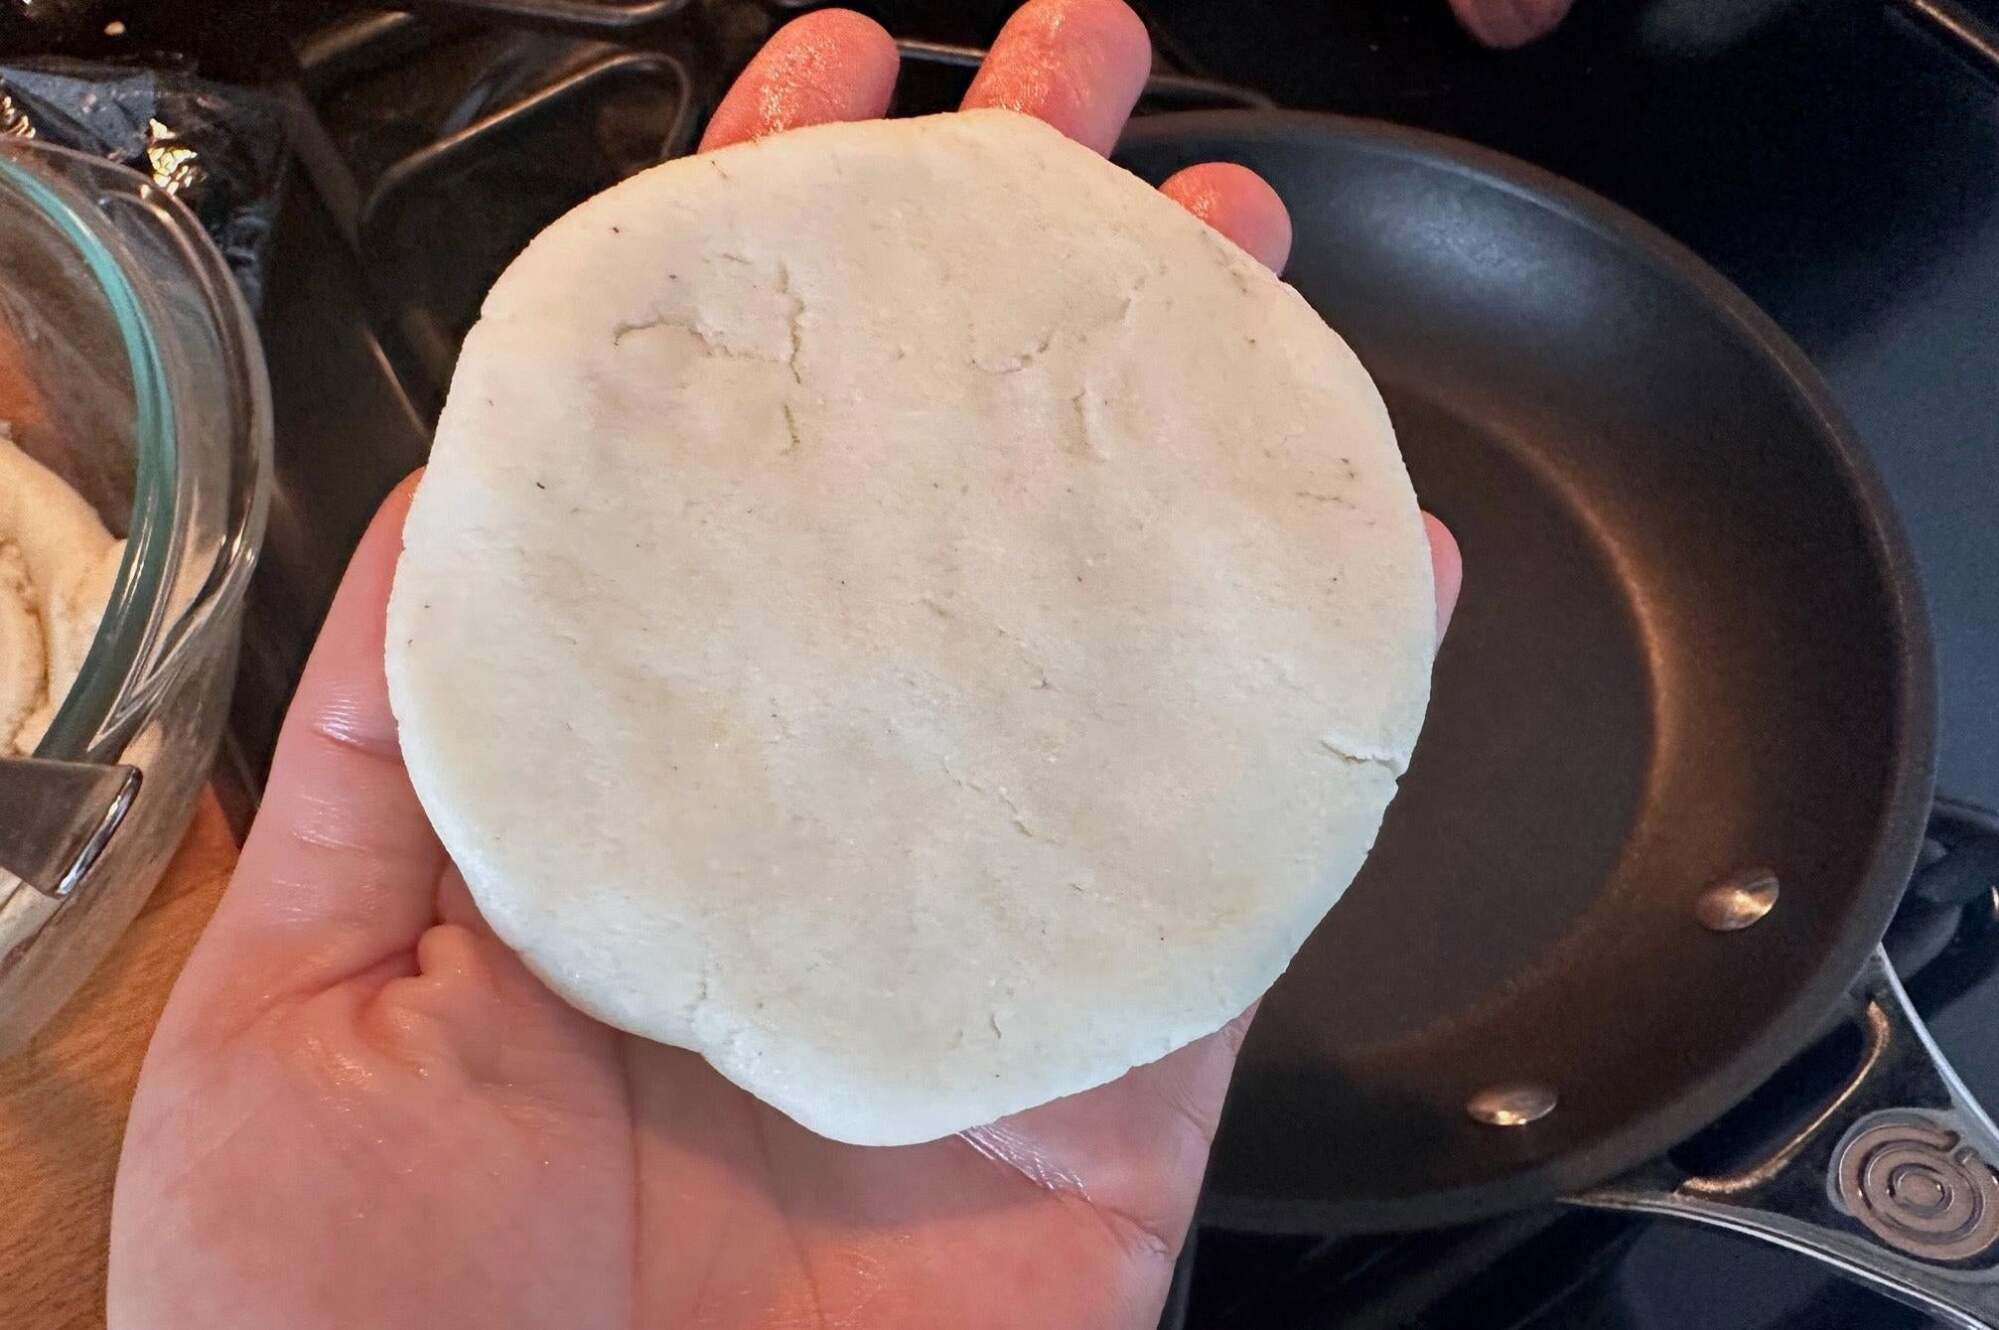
{"x": 1737, "y": 901}
{"x": 1511, "y": 1105}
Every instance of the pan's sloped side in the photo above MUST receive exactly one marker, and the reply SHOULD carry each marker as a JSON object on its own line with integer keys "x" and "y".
{"x": 1690, "y": 644}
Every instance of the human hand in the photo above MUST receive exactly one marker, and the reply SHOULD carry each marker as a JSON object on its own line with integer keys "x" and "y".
{"x": 1510, "y": 22}
{"x": 361, "y": 1110}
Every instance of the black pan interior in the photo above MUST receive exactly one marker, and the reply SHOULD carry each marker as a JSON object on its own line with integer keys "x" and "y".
{"x": 1689, "y": 644}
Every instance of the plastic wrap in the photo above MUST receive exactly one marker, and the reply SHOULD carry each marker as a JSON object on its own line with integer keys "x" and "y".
{"x": 218, "y": 148}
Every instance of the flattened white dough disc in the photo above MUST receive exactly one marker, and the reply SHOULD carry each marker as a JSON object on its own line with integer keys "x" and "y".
{"x": 905, "y": 610}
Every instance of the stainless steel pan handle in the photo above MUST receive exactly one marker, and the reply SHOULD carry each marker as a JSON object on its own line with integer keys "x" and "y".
{"x": 1959, "y": 29}
{"x": 1892, "y": 1181}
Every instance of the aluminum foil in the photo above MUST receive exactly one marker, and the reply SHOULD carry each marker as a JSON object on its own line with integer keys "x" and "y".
{"x": 218, "y": 148}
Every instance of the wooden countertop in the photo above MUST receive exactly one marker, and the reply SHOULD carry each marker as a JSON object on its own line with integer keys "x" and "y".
{"x": 63, "y": 1099}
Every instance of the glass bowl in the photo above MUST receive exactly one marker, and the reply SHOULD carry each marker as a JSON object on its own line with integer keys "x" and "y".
{"x": 130, "y": 366}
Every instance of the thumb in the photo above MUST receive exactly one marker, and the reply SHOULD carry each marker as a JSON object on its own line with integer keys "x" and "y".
{"x": 340, "y": 871}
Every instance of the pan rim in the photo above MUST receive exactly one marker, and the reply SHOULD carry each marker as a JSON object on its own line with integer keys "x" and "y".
{"x": 1787, "y": 1027}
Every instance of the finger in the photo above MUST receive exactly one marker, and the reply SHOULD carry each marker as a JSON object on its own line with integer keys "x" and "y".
{"x": 1447, "y": 569}
{"x": 826, "y": 66}
{"x": 1078, "y": 64}
{"x": 455, "y": 905}
{"x": 1240, "y": 204}
{"x": 340, "y": 869}
{"x": 1509, "y": 23}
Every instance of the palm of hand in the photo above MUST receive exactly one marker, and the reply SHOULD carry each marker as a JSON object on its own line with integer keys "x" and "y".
{"x": 437, "y": 1140}
{"x": 361, "y": 1110}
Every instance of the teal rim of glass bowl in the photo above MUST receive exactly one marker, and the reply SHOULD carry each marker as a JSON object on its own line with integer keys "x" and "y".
{"x": 127, "y": 626}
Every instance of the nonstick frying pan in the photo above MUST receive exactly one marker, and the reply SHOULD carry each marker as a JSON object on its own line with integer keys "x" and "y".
{"x": 1676, "y": 767}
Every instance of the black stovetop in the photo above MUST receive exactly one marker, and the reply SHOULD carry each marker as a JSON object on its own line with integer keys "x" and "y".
{"x": 1833, "y": 159}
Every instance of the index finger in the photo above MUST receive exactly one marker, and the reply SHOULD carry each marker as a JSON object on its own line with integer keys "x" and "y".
{"x": 1077, "y": 64}
{"x": 827, "y": 66}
